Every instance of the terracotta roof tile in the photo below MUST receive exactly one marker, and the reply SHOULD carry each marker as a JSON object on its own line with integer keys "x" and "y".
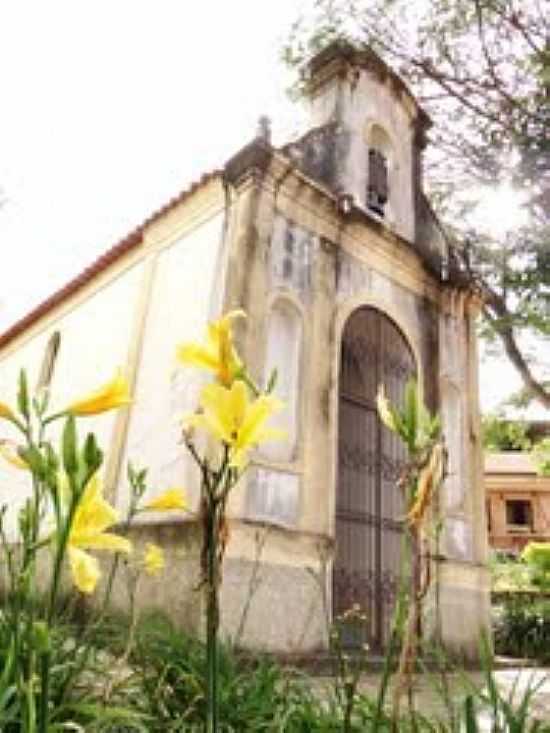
{"x": 125, "y": 245}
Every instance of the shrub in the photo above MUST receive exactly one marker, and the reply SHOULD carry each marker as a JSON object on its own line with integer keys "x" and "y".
{"x": 500, "y": 434}
{"x": 537, "y": 557}
{"x": 541, "y": 457}
{"x": 522, "y": 627}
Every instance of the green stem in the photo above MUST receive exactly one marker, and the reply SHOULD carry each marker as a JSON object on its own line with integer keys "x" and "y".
{"x": 83, "y": 654}
{"x": 212, "y": 617}
{"x": 89, "y": 633}
{"x": 395, "y": 636}
{"x": 62, "y": 546}
{"x": 55, "y": 416}
{"x": 45, "y": 692}
{"x": 45, "y": 662}
{"x": 18, "y": 424}
{"x": 250, "y": 384}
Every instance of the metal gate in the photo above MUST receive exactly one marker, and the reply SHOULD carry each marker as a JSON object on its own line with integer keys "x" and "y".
{"x": 369, "y": 508}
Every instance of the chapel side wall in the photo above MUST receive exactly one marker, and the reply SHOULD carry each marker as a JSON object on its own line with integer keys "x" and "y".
{"x": 185, "y": 292}
{"x": 133, "y": 315}
{"x": 96, "y": 330}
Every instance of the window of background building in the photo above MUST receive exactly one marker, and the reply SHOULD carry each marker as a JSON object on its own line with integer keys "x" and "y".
{"x": 519, "y": 514}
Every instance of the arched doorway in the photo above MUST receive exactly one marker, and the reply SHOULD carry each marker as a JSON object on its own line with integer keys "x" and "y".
{"x": 369, "y": 507}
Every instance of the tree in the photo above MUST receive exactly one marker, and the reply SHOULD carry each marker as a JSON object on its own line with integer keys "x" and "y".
{"x": 500, "y": 434}
{"x": 481, "y": 69}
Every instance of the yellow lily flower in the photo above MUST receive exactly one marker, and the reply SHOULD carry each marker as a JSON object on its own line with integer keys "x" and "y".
{"x": 84, "y": 569}
{"x": 153, "y": 560}
{"x": 6, "y": 411}
{"x": 109, "y": 396}
{"x": 167, "y": 501}
{"x": 230, "y": 416}
{"x": 218, "y": 355}
{"x": 92, "y": 517}
{"x": 8, "y": 451}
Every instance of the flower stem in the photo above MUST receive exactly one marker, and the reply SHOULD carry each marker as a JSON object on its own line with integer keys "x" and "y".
{"x": 45, "y": 692}
{"x": 212, "y": 617}
{"x": 45, "y": 661}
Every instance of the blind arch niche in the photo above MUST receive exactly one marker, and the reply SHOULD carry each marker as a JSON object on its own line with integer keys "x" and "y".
{"x": 284, "y": 353}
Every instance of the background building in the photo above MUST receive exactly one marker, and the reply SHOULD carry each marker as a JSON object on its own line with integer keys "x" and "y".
{"x": 518, "y": 501}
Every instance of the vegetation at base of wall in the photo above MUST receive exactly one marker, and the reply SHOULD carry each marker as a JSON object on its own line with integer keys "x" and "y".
{"x": 165, "y": 686}
{"x": 161, "y": 689}
{"x": 81, "y": 696}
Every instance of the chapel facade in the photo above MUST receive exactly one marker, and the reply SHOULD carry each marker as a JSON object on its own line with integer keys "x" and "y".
{"x": 331, "y": 248}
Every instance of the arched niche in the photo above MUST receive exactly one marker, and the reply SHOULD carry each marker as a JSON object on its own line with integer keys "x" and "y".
{"x": 284, "y": 353}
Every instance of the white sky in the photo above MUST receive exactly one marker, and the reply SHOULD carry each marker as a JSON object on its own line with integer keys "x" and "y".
{"x": 110, "y": 108}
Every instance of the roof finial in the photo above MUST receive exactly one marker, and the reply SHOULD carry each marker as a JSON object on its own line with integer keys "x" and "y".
{"x": 264, "y": 129}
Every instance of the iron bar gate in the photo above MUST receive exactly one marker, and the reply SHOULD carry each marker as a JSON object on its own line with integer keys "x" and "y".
{"x": 369, "y": 507}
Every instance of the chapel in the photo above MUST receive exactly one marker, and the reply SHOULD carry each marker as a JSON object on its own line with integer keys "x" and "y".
{"x": 330, "y": 246}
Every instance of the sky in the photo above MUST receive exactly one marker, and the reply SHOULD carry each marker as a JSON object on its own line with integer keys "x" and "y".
{"x": 111, "y": 107}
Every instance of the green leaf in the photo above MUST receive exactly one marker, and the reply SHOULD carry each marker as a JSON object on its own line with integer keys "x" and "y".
{"x": 272, "y": 382}
{"x": 33, "y": 458}
{"x": 40, "y": 638}
{"x": 92, "y": 454}
{"x": 69, "y": 447}
{"x": 411, "y": 410}
{"x": 470, "y": 715}
{"x": 23, "y": 395}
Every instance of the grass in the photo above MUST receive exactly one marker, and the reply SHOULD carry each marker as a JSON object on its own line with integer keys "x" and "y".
{"x": 159, "y": 688}
{"x": 261, "y": 695}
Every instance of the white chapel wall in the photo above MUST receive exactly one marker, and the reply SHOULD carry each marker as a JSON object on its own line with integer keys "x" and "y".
{"x": 186, "y": 294}
{"x": 95, "y": 338}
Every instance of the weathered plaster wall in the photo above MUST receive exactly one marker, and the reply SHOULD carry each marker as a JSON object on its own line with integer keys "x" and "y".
{"x": 95, "y": 338}
{"x": 133, "y": 314}
{"x": 185, "y": 292}
{"x": 359, "y": 106}
{"x": 304, "y": 258}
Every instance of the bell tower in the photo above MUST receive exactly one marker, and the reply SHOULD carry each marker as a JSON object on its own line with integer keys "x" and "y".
{"x": 366, "y": 137}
